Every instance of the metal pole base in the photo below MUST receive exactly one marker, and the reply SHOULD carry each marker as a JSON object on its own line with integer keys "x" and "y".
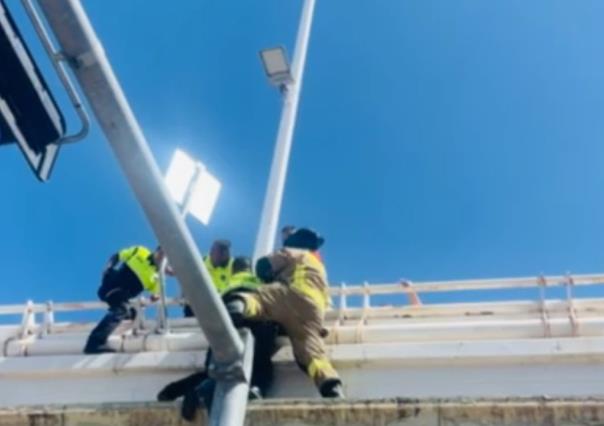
{"x": 231, "y": 394}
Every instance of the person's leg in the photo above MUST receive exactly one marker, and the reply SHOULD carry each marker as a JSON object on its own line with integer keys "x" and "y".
{"x": 320, "y": 369}
{"x": 262, "y": 305}
{"x": 309, "y": 348}
{"x": 244, "y": 309}
{"x": 181, "y": 387}
{"x": 303, "y": 323}
{"x": 200, "y": 395}
{"x": 260, "y": 311}
{"x": 247, "y": 309}
{"x": 265, "y": 334}
{"x": 188, "y": 312}
{"x": 97, "y": 341}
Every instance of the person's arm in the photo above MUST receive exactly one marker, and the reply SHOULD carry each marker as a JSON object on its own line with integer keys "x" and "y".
{"x": 413, "y": 298}
{"x": 269, "y": 267}
{"x": 155, "y": 288}
{"x": 264, "y": 270}
{"x": 168, "y": 270}
{"x": 113, "y": 260}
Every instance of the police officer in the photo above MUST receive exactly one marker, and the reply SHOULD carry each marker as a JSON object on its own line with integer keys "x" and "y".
{"x": 127, "y": 274}
{"x": 220, "y": 266}
{"x": 296, "y": 298}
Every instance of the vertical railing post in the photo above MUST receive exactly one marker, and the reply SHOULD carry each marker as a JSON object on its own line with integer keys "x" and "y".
{"x": 542, "y": 282}
{"x": 28, "y": 322}
{"x": 49, "y": 318}
{"x": 163, "y": 319}
{"x": 572, "y": 314}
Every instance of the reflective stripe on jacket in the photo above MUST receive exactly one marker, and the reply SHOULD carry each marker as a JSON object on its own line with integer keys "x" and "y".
{"x": 305, "y": 280}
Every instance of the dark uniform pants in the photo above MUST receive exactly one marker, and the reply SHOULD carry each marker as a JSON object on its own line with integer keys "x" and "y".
{"x": 119, "y": 310}
{"x": 265, "y": 335}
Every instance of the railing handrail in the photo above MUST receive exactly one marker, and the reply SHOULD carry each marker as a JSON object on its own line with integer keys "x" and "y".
{"x": 488, "y": 308}
{"x": 464, "y": 285}
{"x": 365, "y": 289}
{"x": 38, "y": 319}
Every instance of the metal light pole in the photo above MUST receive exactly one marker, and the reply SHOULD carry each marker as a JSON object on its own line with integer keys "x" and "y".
{"x": 85, "y": 53}
{"x": 265, "y": 241}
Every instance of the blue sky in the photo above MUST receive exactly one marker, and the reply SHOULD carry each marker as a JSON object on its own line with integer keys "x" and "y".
{"x": 436, "y": 139}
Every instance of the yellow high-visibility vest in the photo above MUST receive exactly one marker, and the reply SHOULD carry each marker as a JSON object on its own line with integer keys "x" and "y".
{"x": 139, "y": 260}
{"x": 221, "y": 276}
{"x": 244, "y": 279}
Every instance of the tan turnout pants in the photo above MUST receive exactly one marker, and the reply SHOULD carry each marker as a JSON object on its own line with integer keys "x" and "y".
{"x": 302, "y": 321}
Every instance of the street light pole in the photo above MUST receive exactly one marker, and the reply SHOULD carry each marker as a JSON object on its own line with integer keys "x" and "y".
{"x": 267, "y": 233}
{"x": 232, "y": 355}
{"x": 79, "y": 42}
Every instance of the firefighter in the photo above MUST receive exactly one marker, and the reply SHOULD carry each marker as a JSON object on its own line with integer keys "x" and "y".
{"x": 295, "y": 297}
{"x": 288, "y": 230}
{"x": 220, "y": 265}
{"x": 127, "y": 274}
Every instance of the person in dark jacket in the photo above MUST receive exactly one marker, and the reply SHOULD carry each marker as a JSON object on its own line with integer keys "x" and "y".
{"x": 128, "y": 273}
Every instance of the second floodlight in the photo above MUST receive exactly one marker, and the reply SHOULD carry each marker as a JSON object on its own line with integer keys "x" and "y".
{"x": 192, "y": 186}
{"x": 276, "y": 65}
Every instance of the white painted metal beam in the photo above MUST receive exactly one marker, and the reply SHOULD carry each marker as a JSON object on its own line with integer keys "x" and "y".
{"x": 508, "y": 368}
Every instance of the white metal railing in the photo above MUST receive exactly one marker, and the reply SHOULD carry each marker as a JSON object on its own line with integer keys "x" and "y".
{"x": 542, "y": 307}
{"x": 366, "y": 289}
{"x": 460, "y": 285}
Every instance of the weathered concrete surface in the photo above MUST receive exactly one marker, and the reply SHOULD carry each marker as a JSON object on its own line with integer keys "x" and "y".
{"x": 316, "y": 412}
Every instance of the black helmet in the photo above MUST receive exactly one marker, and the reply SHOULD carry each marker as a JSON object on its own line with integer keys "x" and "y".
{"x": 304, "y": 238}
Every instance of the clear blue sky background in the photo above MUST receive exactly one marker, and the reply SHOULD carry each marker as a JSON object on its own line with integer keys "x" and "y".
{"x": 436, "y": 139}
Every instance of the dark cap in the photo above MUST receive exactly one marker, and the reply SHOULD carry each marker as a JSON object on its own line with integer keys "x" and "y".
{"x": 225, "y": 244}
{"x": 304, "y": 238}
{"x": 242, "y": 263}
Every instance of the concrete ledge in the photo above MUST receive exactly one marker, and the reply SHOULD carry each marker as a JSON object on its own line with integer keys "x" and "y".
{"x": 469, "y": 353}
{"x": 392, "y": 412}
